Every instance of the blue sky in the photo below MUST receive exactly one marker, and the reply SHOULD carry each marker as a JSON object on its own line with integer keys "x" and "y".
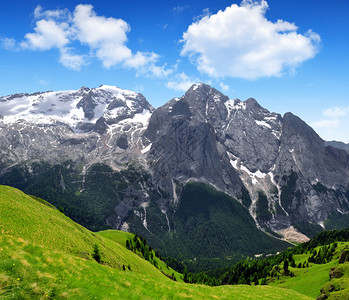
{"x": 290, "y": 55}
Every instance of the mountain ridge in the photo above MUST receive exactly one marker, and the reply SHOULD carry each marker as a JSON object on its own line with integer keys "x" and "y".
{"x": 275, "y": 166}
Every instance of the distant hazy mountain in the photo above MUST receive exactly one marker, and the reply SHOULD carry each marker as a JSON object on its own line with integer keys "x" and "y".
{"x": 339, "y": 145}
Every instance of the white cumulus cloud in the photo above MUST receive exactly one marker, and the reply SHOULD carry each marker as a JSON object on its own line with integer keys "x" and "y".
{"x": 241, "y": 42}
{"x": 105, "y": 38}
{"x": 71, "y": 60}
{"x": 48, "y": 34}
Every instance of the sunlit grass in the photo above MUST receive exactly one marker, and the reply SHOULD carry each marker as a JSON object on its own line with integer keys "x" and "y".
{"x": 309, "y": 281}
{"x": 45, "y": 255}
{"x": 58, "y": 275}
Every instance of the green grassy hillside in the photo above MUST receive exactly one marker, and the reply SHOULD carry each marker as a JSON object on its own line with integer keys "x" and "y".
{"x": 22, "y": 216}
{"x": 309, "y": 281}
{"x": 43, "y": 254}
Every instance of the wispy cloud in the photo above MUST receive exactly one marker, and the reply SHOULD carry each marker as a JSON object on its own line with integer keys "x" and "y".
{"x": 224, "y": 87}
{"x": 335, "y": 123}
{"x": 181, "y": 82}
{"x": 48, "y": 34}
{"x": 180, "y": 8}
{"x": 9, "y": 44}
{"x": 43, "y": 82}
{"x": 206, "y": 12}
{"x": 332, "y": 117}
{"x": 241, "y": 42}
{"x": 327, "y": 123}
{"x": 336, "y": 111}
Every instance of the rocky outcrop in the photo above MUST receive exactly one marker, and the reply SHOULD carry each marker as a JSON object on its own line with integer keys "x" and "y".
{"x": 344, "y": 256}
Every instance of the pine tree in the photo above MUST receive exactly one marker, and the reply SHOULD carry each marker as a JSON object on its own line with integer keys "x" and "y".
{"x": 185, "y": 274}
{"x": 286, "y": 266}
{"x": 96, "y": 254}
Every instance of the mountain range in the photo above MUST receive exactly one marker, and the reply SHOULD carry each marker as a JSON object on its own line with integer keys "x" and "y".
{"x": 202, "y": 169}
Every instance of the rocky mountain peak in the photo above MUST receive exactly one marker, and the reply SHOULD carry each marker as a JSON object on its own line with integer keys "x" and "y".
{"x": 83, "y": 89}
{"x": 201, "y": 91}
{"x": 252, "y": 104}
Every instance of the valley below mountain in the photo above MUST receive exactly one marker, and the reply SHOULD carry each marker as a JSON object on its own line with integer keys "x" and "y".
{"x": 205, "y": 179}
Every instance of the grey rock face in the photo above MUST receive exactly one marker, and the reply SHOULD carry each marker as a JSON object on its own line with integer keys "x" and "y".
{"x": 320, "y": 173}
{"x": 184, "y": 134}
{"x": 203, "y": 134}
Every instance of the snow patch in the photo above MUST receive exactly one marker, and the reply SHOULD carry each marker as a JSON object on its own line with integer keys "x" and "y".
{"x": 253, "y": 176}
{"x": 272, "y": 179}
{"x": 146, "y": 149}
{"x": 196, "y": 86}
{"x": 142, "y": 118}
{"x": 235, "y": 105}
{"x": 277, "y": 134}
{"x": 259, "y": 174}
{"x": 144, "y": 205}
{"x": 175, "y": 197}
{"x": 216, "y": 98}
{"x": 168, "y": 222}
{"x": 234, "y": 163}
{"x": 262, "y": 123}
{"x": 271, "y": 175}
{"x": 116, "y": 91}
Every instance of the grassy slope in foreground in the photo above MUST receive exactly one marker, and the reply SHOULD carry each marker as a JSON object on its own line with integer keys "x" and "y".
{"x": 21, "y": 216}
{"x": 44, "y": 253}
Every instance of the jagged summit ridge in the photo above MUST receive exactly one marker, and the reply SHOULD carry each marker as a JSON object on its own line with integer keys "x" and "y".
{"x": 74, "y": 107}
{"x": 104, "y": 123}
